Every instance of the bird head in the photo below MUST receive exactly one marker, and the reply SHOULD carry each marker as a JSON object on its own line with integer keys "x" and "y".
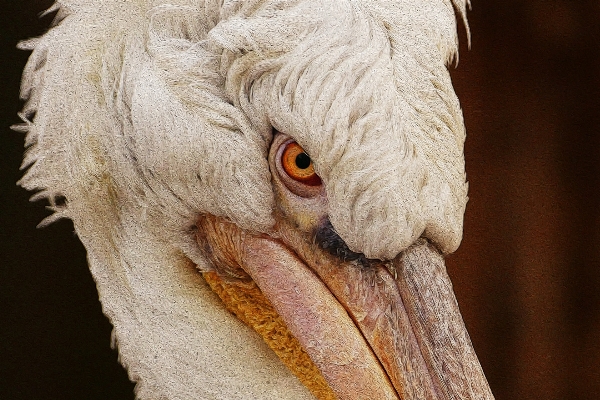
{"x": 304, "y": 157}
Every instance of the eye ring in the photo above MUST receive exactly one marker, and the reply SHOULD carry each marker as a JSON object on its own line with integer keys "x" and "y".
{"x": 294, "y": 168}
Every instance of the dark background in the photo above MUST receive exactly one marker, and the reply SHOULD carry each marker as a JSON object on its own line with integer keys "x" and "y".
{"x": 527, "y": 275}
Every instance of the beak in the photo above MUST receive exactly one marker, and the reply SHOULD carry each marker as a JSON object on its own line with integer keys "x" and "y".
{"x": 375, "y": 330}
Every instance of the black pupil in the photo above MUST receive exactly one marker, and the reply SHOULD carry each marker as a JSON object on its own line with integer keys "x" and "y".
{"x": 302, "y": 161}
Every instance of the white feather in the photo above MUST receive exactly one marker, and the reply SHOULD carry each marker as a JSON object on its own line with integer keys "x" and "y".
{"x": 148, "y": 113}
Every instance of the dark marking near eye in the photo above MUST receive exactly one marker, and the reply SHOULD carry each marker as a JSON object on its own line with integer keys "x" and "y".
{"x": 60, "y": 201}
{"x": 302, "y": 161}
{"x": 328, "y": 239}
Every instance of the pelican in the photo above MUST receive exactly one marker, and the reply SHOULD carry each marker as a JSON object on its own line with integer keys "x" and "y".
{"x": 266, "y": 190}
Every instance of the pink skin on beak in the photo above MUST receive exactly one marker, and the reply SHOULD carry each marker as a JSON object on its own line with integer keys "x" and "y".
{"x": 372, "y": 335}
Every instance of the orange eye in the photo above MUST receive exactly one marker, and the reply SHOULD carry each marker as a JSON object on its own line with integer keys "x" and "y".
{"x": 297, "y": 164}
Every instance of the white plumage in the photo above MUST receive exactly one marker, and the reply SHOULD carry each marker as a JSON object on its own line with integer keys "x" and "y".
{"x": 150, "y": 113}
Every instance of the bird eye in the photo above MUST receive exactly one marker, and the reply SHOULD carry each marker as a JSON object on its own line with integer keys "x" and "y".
{"x": 294, "y": 168}
{"x": 298, "y": 166}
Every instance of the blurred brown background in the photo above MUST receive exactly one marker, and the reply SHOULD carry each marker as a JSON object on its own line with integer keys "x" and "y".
{"x": 528, "y": 272}
{"x": 527, "y": 275}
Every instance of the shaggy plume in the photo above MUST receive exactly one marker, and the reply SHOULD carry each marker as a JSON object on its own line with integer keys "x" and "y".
{"x": 177, "y": 109}
{"x": 140, "y": 115}
{"x": 363, "y": 87}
